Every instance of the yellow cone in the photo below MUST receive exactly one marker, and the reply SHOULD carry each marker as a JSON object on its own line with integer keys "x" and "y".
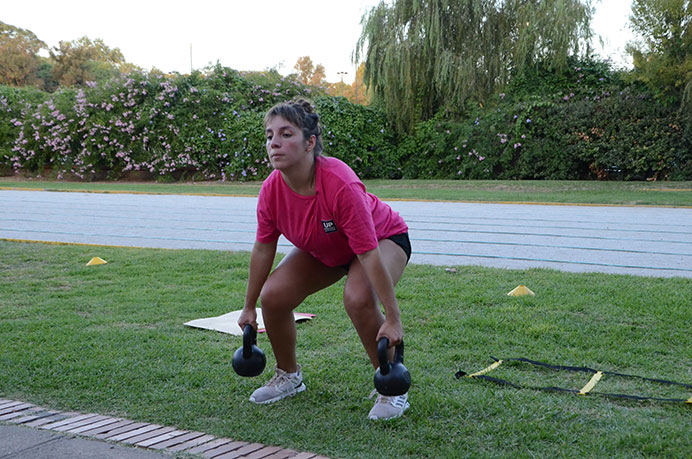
{"x": 96, "y": 261}
{"x": 520, "y": 291}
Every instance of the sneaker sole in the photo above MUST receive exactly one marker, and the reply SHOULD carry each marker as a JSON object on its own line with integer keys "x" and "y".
{"x": 299, "y": 389}
{"x": 391, "y": 417}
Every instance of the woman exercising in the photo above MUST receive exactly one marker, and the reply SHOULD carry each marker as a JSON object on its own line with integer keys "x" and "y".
{"x": 319, "y": 204}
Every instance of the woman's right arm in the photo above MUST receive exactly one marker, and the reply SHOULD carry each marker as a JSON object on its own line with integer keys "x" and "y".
{"x": 261, "y": 262}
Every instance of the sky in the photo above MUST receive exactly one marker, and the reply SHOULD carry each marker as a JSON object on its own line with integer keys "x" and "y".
{"x": 173, "y": 35}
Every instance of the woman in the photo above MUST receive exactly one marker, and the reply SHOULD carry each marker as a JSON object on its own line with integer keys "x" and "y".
{"x": 319, "y": 204}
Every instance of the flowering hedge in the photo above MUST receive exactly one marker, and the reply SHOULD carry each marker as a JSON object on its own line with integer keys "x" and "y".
{"x": 586, "y": 124}
{"x": 202, "y": 126}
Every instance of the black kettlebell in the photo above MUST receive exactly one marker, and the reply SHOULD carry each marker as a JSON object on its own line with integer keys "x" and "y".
{"x": 249, "y": 360}
{"x": 391, "y": 379}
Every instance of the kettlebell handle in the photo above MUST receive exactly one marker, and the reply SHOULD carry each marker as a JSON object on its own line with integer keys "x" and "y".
{"x": 249, "y": 340}
{"x": 382, "y": 347}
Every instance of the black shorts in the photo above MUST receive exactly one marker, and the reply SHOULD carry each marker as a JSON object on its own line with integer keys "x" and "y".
{"x": 404, "y": 242}
{"x": 401, "y": 240}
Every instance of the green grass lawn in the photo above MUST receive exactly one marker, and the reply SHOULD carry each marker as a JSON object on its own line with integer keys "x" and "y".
{"x": 588, "y": 192}
{"x": 110, "y": 339}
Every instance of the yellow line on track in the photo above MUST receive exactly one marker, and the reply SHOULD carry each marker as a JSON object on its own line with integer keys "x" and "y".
{"x": 527, "y": 203}
{"x": 84, "y": 244}
{"x": 537, "y": 203}
{"x": 55, "y": 190}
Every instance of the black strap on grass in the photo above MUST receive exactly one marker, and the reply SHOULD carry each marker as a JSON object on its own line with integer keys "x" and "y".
{"x": 587, "y": 389}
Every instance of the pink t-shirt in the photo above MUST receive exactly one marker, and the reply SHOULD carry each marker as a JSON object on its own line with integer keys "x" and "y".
{"x": 338, "y": 222}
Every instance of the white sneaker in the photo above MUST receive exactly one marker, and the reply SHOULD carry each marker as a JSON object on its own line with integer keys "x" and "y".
{"x": 281, "y": 385}
{"x": 388, "y": 407}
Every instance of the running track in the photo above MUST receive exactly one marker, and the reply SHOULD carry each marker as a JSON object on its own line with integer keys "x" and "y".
{"x": 646, "y": 241}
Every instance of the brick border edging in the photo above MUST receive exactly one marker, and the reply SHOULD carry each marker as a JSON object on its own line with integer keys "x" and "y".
{"x": 140, "y": 434}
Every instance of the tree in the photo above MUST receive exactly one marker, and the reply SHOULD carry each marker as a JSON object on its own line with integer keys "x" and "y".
{"x": 19, "y": 59}
{"x": 663, "y": 56}
{"x": 308, "y": 73}
{"x": 82, "y": 60}
{"x": 340, "y": 89}
{"x": 357, "y": 92}
{"x": 361, "y": 94}
{"x": 423, "y": 56}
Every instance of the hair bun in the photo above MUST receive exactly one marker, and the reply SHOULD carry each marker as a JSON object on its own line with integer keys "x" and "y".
{"x": 305, "y": 104}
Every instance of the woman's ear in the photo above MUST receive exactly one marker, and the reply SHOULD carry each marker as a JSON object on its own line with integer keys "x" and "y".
{"x": 311, "y": 143}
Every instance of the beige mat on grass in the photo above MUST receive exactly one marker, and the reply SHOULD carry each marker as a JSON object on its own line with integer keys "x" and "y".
{"x": 228, "y": 323}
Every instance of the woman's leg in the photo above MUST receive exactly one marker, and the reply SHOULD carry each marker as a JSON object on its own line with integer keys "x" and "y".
{"x": 360, "y": 299}
{"x": 298, "y": 275}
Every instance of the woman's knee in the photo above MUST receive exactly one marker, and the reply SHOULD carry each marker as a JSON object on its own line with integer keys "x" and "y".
{"x": 359, "y": 302}
{"x": 276, "y": 299}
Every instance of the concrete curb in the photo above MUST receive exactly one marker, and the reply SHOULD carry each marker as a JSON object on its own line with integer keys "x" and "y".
{"x": 30, "y": 431}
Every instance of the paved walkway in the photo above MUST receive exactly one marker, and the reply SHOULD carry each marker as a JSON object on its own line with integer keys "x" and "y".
{"x": 646, "y": 241}
{"x": 31, "y": 432}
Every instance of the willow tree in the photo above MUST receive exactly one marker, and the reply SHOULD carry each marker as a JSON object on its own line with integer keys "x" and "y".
{"x": 663, "y": 55}
{"x": 422, "y": 56}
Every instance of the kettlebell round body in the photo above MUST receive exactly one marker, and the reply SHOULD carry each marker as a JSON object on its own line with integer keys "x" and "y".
{"x": 249, "y": 360}
{"x": 391, "y": 378}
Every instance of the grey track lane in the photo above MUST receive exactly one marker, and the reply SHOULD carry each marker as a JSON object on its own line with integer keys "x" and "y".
{"x": 644, "y": 241}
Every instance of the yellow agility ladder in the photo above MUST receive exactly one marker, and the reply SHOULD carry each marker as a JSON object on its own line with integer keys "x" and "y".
{"x": 596, "y": 376}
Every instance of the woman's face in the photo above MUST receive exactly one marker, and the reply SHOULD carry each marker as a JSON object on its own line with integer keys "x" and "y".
{"x": 286, "y": 144}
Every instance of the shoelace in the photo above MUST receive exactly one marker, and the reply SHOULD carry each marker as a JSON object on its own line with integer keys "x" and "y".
{"x": 394, "y": 400}
{"x": 279, "y": 378}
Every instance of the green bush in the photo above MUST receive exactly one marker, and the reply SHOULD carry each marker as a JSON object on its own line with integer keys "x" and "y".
{"x": 626, "y": 136}
{"x": 587, "y": 123}
{"x": 15, "y": 104}
{"x": 360, "y": 136}
{"x": 204, "y": 125}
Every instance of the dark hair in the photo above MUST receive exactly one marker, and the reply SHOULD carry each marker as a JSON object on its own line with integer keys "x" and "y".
{"x": 301, "y": 113}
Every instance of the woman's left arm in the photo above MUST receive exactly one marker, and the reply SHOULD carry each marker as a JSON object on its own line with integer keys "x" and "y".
{"x": 384, "y": 287}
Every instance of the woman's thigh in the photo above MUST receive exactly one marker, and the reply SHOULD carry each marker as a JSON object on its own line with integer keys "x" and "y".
{"x": 296, "y": 277}
{"x": 358, "y": 285}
